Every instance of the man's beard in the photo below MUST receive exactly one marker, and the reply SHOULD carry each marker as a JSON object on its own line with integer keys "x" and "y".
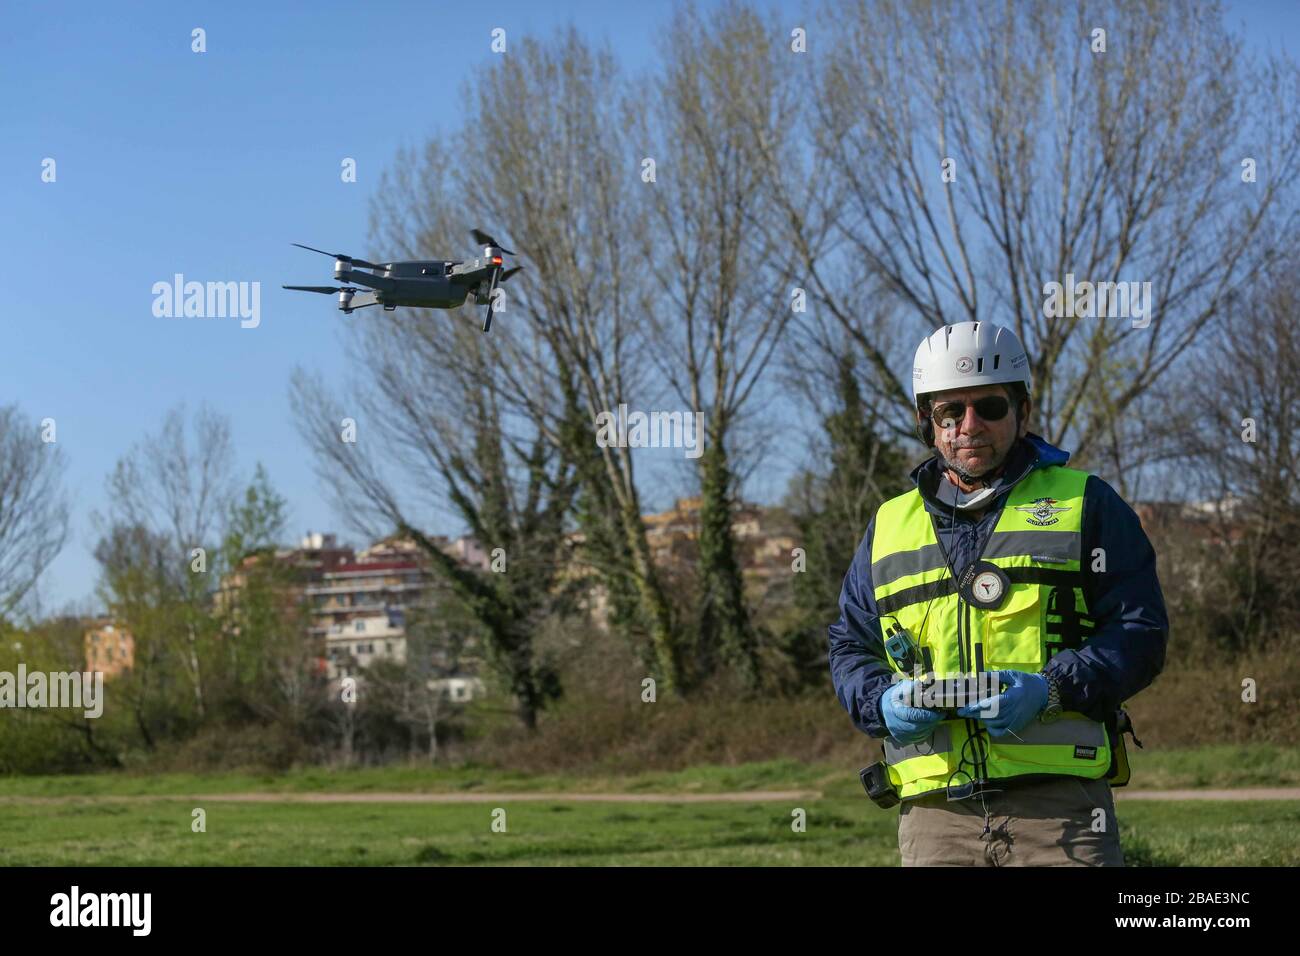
{"x": 960, "y": 470}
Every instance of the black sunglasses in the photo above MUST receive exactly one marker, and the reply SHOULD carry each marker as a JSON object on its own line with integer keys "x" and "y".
{"x": 991, "y": 408}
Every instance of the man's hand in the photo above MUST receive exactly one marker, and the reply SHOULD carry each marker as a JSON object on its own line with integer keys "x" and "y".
{"x": 1009, "y": 711}
{"x": 908, "y": 724}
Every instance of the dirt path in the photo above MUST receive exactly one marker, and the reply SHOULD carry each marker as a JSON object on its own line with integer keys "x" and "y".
{"x": 1242, "y": 793}
{"x": 747, "y": 796}
{"x": 752, "y": 796}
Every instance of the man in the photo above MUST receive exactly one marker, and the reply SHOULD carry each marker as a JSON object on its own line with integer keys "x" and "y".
{"x": 1005, "y": 563}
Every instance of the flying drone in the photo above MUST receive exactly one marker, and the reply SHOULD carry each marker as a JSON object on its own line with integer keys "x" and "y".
{"x": 421, "y": 284}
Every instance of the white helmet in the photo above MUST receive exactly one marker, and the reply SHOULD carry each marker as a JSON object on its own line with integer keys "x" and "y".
{"x": 968, "y": 354}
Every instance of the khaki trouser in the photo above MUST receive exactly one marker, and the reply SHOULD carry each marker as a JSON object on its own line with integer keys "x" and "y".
{"x": 1050, "y": 822}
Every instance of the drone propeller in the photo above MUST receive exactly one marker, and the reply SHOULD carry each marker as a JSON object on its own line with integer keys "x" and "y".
{"x": 322, "y": 289}
{"x": 487, "y": 319}
{"x": 338, "y": 255}
{"x": 497, "y": 276}
{"x": 483, "y": 239}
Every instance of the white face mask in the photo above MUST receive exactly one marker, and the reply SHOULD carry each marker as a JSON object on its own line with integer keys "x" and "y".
{"x": 965, "y": 500}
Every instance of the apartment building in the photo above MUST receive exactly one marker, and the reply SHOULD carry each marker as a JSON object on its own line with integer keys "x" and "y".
{"x": 765, "y": 539}
{"x": 360, "y": 608}
{"x": 110, "y": 649}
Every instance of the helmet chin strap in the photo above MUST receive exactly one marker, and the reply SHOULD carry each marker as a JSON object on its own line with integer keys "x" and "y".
{"x": 968, "y": 478}
{"x": 982, "y": 485}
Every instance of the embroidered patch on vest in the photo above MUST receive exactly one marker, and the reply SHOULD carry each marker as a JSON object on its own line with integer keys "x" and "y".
{"x": 1042, "y": 511}
{"x": 1085, "y": 753}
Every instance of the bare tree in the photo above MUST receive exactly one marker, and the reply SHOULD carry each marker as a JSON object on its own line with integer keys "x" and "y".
{"x": 178, "y": 488}
{"x": 433, "y": 434}
{"x": 545, "y": 158}
{"x": 975, "y": 154}
{"x": 1228, "y": 428}
{"x": 720, "y": 110}
{"x": 33, "y": 509}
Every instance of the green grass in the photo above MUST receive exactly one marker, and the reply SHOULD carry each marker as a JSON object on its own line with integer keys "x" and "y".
{"x": 840, "y": 832}
{"x": 1226, "y": 765}
{"x": 1258, "y": 765}
{"x": 776, "y": 774}
{"x": 1209, "y": 833}
{"x": 843, "y": 828}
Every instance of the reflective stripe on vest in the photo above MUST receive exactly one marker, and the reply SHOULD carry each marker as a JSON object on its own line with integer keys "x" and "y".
{"x": 1037, "y": 542}
{"x": 1075, "y": 731}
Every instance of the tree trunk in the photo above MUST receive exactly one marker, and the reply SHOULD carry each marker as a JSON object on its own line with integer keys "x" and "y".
{"x": 725, "y": 632}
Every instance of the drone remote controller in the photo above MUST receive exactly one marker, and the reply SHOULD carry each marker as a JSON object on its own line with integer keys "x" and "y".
{"x": 947, "y": 694}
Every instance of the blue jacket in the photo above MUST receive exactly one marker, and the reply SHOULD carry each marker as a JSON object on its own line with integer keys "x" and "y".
{"x": 1123, "y": 656}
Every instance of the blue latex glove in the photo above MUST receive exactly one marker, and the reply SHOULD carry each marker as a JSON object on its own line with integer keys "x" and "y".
{"x": 907, "y": 724}
{"x": 1009, "y": 711}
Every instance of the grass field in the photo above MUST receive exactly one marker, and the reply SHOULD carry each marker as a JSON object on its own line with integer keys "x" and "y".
{"x": 839, "y": 832}
{"x": 1223, "y": 766}
{"x": 85, "y": 823}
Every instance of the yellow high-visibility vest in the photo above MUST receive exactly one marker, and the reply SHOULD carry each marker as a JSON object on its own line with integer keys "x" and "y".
{"x": 1037, "y": 542}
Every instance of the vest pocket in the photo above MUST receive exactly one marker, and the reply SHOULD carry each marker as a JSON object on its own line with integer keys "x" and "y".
{"x": 1072, "y": 745}
{"x": 932, "y": 757}
{"x": 1013, "y": 634}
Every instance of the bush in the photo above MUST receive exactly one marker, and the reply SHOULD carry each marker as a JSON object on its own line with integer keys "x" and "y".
{"x": 249, "y": 747}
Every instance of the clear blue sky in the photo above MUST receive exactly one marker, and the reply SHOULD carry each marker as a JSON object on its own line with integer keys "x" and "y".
{"x": 210, "y": 165}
